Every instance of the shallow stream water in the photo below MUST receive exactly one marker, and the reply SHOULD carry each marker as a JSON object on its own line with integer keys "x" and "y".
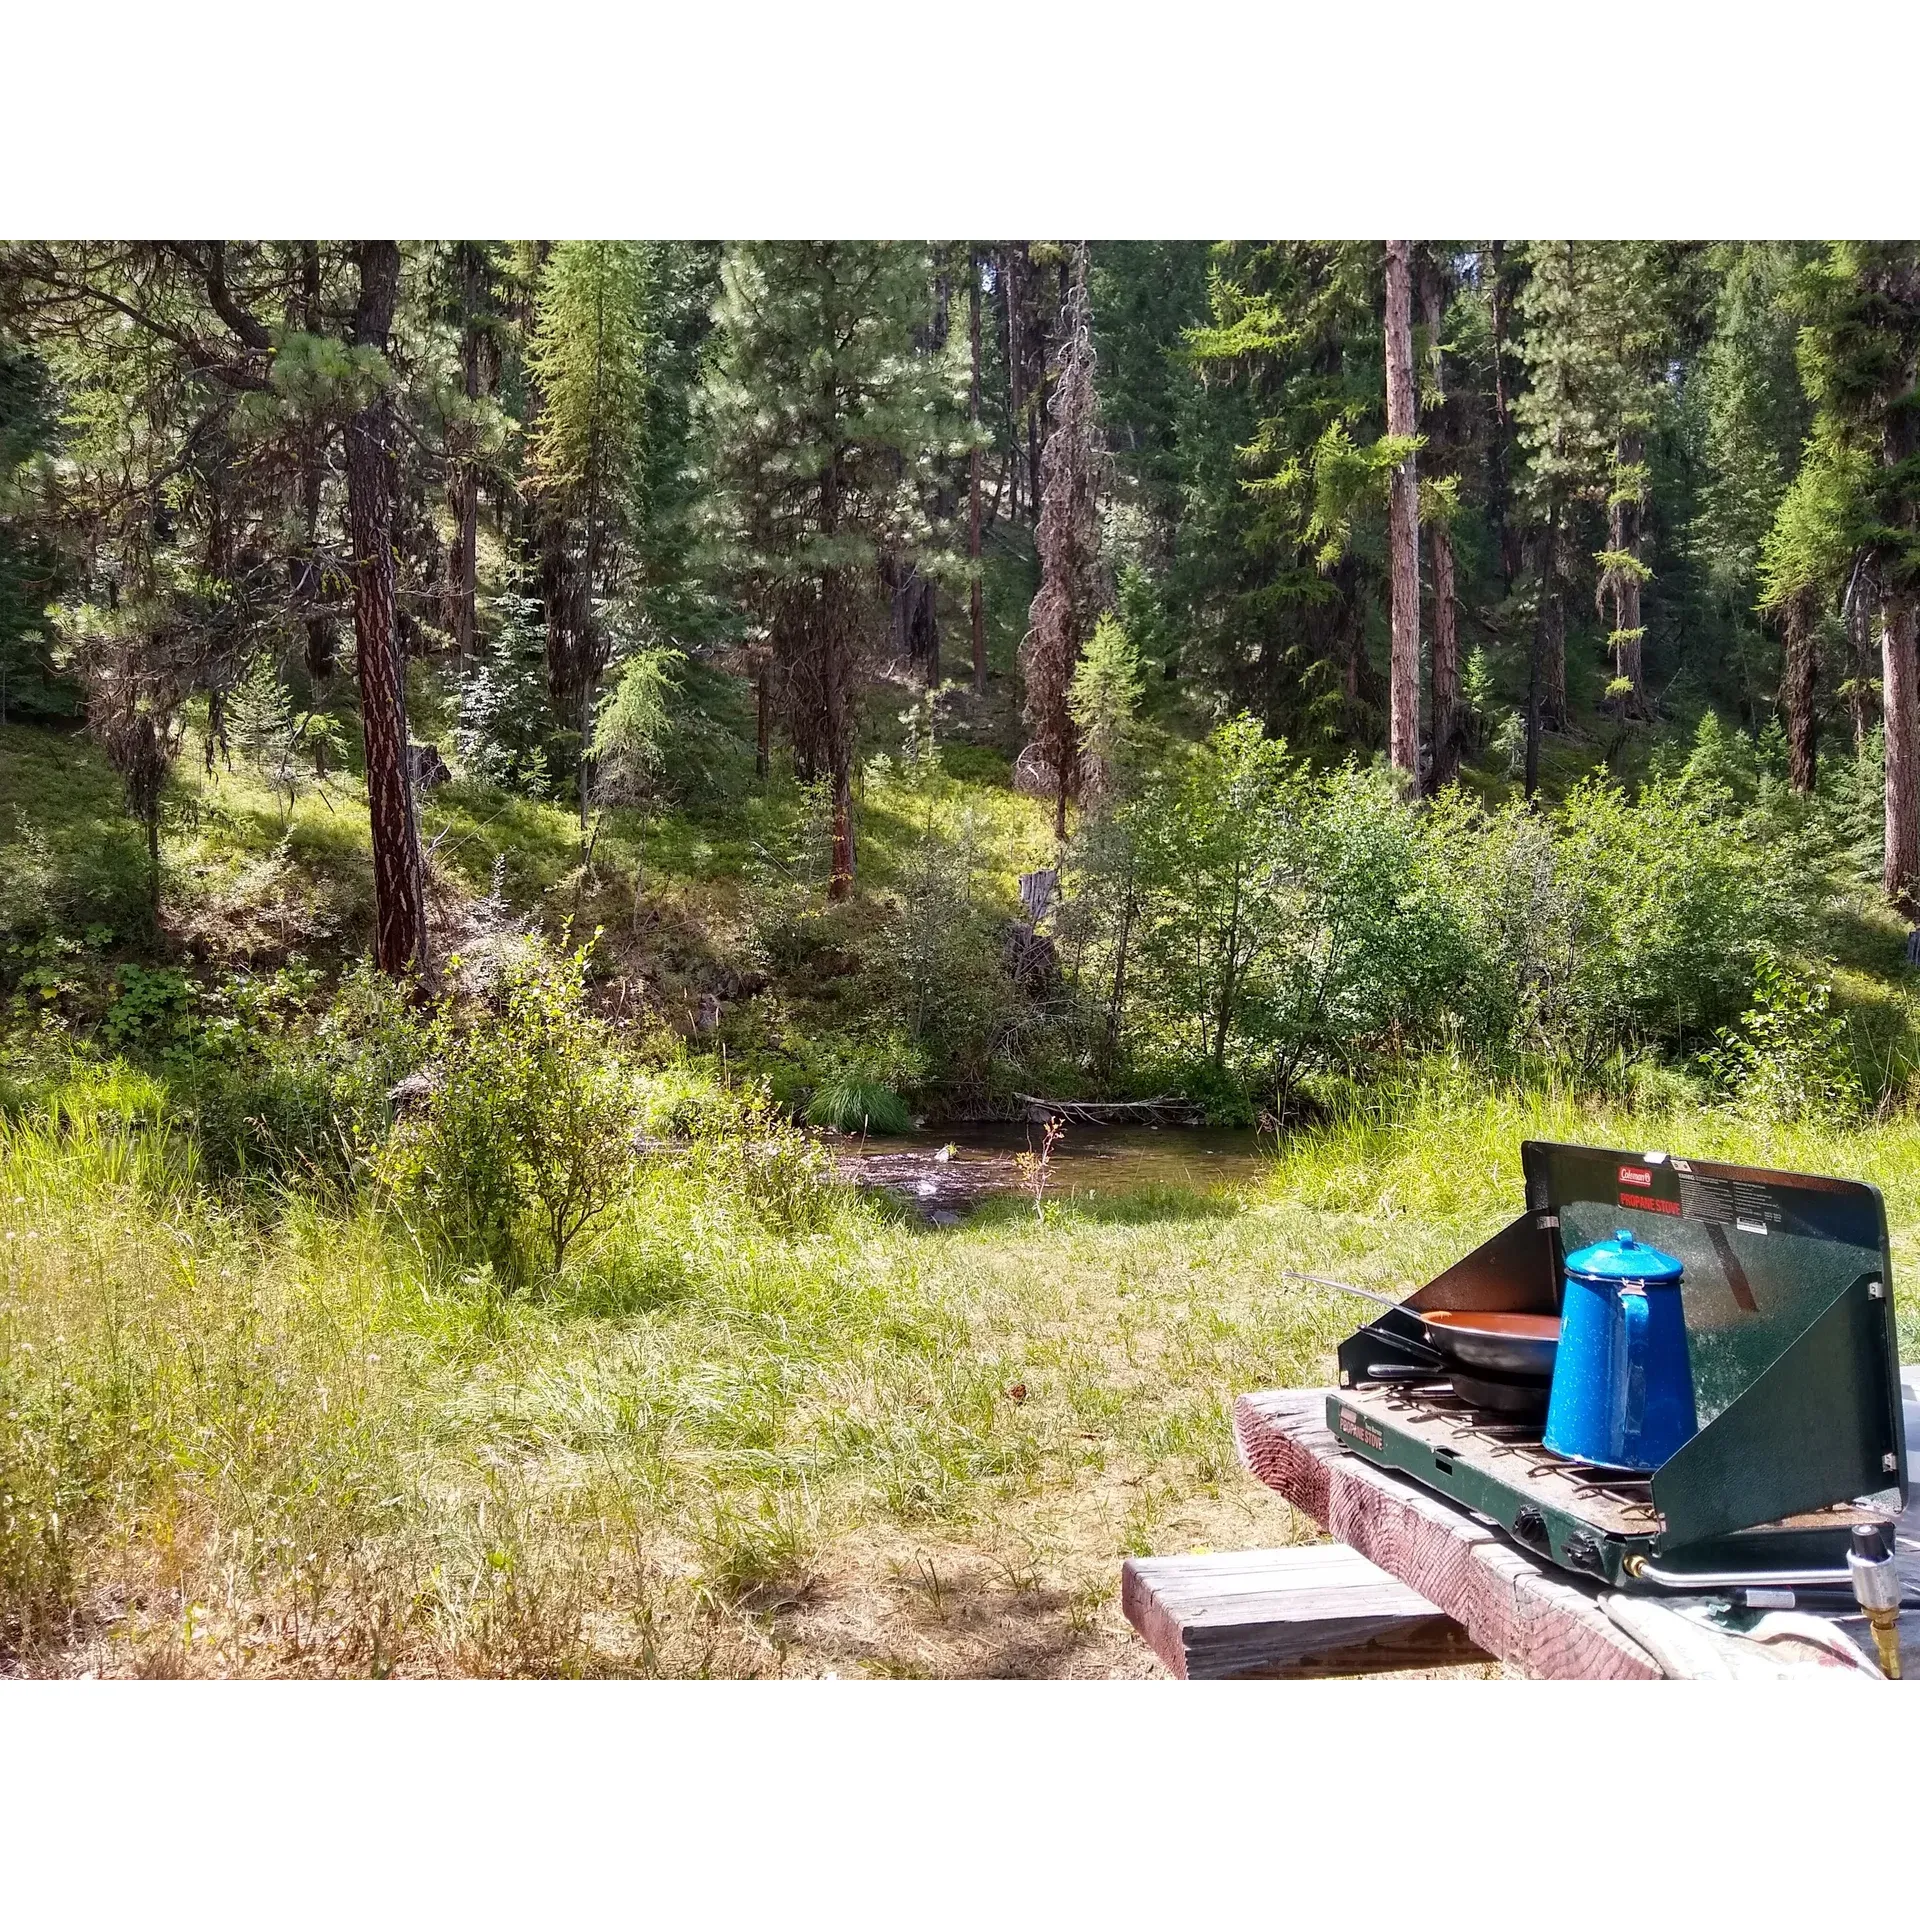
{"x": 1089, "y": 1163}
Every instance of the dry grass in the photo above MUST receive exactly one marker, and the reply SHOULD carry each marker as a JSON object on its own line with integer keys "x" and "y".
{"x": 275, "y": 1448}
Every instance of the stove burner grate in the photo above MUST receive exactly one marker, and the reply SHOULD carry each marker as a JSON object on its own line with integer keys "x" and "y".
{"x": 1437, "y": 1404}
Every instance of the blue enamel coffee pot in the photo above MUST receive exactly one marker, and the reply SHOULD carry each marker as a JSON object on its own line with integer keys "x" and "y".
{"x": 1622, "y": 1383}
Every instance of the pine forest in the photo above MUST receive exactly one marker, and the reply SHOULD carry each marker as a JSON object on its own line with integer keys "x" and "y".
{"x": 690, "y": 932}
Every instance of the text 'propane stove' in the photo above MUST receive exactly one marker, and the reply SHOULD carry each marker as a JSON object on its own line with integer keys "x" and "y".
{"x": 1764, "y": 1317}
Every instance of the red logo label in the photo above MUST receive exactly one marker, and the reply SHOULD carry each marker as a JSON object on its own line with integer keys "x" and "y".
{"x": 1636, "y": 1176}
{"x": 1648, "y": 1204}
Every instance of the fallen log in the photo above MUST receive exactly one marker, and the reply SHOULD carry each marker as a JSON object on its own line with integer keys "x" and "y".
{"x": 1170, "y": 1110}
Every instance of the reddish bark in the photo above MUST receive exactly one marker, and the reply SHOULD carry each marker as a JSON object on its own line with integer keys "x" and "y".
{"x": 399, "y": 889}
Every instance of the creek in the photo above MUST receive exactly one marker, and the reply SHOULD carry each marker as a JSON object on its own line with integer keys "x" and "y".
{"x": 1089, "y": 1163}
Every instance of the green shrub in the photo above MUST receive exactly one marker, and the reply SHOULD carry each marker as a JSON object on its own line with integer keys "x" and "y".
{"x": 1622, "y": 922}
{"x": 750, "y": 1152}
{"x": 1791, "y": 1056}
{"x": 527, "y": 1132}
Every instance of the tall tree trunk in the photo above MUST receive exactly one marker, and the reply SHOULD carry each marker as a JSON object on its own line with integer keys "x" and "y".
{"x": 975, "y": 597}
{"x": 1620, "y": 583}
{"x": 1553, "y": 630}
{"x": 1898, "y": 696}
{"x": 1446, "y": 659}
{"x": 1859, "y": 610}
{"x": 1445, "y": 762}
{"x": 1500, "y": 454}
{"x": 1013, "y": 351}
{"x": 1546, "y": 657}
{"x": 838, "y": 613}
{"x": 1798, "y": 673}
{"x": 399, "y": 887}
{"x": 322, "y": 646}
{"x": 463, "y": 480}
{"x": 1403, "y": 512}
{"x": 463, "y": 475}
{"x": 839, "y": 732}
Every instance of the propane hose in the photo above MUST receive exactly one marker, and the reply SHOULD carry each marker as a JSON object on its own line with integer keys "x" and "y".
{"x": 1876, "y": 1585}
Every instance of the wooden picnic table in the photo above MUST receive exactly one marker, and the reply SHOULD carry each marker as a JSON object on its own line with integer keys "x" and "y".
{"x": 1537, "y": 1620}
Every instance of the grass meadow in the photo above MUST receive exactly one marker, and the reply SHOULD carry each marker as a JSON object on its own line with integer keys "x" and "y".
{"x": 270, "y": 1441}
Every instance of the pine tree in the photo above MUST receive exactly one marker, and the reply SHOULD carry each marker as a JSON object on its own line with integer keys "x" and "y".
{"x": 1439, "y": 495}
{"x": 505, "y": 731}
{"x": 1601, "y": 320}
{"x": 261, "y": 724}
{"x": 209, "y": 386}
{"x": 1593, "y": 332}
{"x": 1403, "y": 520}
{"x": 821, "y": 421}
{"x": 399, "y": 870}
{"x": 1073, "y": 585}
{"x": 1104, "y": 695}
{"x": 1860, "y": 358}
{"x": 474, "y": 300}
{"x": 1287, "y": 490}
{"x": 1747, "y": 395}
{"x": 588, "y": 355}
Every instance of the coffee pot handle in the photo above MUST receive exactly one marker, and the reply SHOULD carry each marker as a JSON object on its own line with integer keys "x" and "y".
{"x": 1633, "y": 1304}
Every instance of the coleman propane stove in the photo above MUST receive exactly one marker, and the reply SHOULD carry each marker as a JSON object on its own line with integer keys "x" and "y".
{"x": 1797, "y": 1432}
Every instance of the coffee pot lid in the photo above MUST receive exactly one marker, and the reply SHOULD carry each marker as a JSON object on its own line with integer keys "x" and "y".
{"x": 1623, "y": 1258}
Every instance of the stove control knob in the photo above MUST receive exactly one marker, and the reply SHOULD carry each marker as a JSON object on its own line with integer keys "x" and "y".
{"x": 1530, "y": 1529}
{"x": 1583, "y": 1553}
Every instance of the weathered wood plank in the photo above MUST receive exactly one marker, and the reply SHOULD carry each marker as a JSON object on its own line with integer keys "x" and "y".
{"x": 1282, "y": 1440}
{"x": 1520, "y": 1612}
{"x": 1306, "y": 1611}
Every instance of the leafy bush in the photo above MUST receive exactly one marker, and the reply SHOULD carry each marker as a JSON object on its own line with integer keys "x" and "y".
{"x": 527, "y": 1131}
{"x": 151, "y": 1009}
{"x": 1791, "y": 1056}
{"x": 1245, "y": 918}
{"x": 749, "y": 1151}
{"x": 1622, "y": 922}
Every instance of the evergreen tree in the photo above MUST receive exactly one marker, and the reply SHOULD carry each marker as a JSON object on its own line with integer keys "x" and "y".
{"x": 474, "y": 300}
{"x": 505, "y": 731}
{"x": 1601, "y": 320}
{"x": 1403, "y": 519}
{"x": 1439, "y": 494}
{"x": 821, "y": 421}
{"x": 588, "y": 355}
{"x": 1289, "y": 493}
{"x": 1073, "y": 586}
{"x": 675, "y": 602}
{"x": 1860, "y": 358}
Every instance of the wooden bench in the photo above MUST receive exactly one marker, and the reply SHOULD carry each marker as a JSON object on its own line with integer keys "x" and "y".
{"x": 1309, "y": 1612}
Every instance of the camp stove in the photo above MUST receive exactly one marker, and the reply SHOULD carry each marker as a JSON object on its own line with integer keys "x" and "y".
{"x": 1790, "y": 1332}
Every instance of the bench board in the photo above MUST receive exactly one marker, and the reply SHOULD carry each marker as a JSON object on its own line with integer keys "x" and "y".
{"x": 1310, "y": 1612}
